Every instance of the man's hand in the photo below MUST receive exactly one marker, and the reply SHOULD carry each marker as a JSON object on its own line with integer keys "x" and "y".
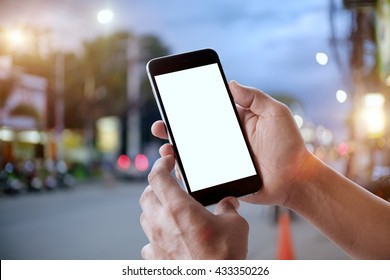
{"x": 178, "y": 227}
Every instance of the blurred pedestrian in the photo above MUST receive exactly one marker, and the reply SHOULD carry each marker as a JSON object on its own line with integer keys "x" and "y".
{"x": 108, "y": 170}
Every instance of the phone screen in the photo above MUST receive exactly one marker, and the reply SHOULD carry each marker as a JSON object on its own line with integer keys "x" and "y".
{"x": 204, "y": 126}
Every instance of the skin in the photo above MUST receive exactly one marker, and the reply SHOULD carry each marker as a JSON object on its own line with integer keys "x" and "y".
{"x": 180, "y": 228}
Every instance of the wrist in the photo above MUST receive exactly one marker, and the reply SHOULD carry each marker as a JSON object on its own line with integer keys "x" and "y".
{"x": 308, "y": 171}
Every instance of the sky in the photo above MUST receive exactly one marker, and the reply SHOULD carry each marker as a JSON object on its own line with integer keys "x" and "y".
{"x": 266, "y": 44}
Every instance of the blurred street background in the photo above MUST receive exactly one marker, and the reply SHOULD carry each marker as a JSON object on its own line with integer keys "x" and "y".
{"x": 98, "y": 221}
{"x": 76, "y": 109}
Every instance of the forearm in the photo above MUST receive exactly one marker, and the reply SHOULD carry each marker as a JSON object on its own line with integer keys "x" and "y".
{"x": 350, "y": 216}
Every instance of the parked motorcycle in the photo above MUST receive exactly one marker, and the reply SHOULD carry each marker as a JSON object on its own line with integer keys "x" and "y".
{"x": 10, "y": 182}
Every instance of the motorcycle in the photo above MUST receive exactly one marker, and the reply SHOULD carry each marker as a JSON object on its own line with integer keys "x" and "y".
{"x": 10, "y": 182}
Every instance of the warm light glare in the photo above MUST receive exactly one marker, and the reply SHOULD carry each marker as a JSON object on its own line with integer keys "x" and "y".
{"x": 6, "y": 134}
{"x": 16, "y": 37}
{"x": 341, "y": 96}
{"x": 108, "y": 134}
{"x": 105, "y": 16}
{"x": 30, "y": 136}
{"x": 373, "y": 114}
{"x": 375, "y": 123}
{"x": 374, "y": 100}
{"x": 321, "y": 58}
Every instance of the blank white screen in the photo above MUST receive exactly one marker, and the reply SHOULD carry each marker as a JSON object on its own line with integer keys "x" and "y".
{"x": 204, "y": 126}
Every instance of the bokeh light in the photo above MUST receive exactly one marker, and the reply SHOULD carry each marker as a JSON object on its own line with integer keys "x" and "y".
{"x": 105, "y": 16}
{"x": 299, "y": 120}
{"x": 341, "y": 96}
{"x": 322, "y": 58}
{"x": 123, "y": 162}
{"x": 141, "y": 162}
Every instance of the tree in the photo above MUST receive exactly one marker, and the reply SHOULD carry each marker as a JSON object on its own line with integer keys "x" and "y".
{"x": 152, "y": 47}
{"x": 105, "y": 64}
{"x": 95, "y": 82}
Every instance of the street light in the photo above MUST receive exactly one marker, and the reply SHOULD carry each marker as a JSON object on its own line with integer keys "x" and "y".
{"x": 105, "y": 16}
{"x": 321, "y": 58}
{"x": 134, "y": 70}
{"x": 341, "y": 96}
{"x": 18, "y": 39}
{"x": 15, "y": 37}
{"x": 59, "y": 103}
{"x": 373, "y": 114}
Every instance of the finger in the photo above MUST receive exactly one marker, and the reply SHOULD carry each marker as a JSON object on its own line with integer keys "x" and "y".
{"x": 147, "y": 252}
{"x": 227, "y": 205}
{"x": 164, "y": 185}
{"x": 250, "y": 98}
{"x": 149, "y": 223}
{"x": 159, "y": 130}
{"x": 241, "y": 112}
{"x": 149, "y": 200}
{"x": 178, "y": 173}
{"x": 257, "y": 198}
{"x": 166, "y": 150}
{"x": 144, "y": 222}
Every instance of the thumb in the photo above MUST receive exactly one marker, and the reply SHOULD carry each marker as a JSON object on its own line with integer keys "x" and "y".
{"x": 250, "y": 98}
{"x": 227, "y": 205}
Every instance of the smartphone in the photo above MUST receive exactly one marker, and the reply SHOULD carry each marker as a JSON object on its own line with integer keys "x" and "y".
{"x": 203, "y": 126}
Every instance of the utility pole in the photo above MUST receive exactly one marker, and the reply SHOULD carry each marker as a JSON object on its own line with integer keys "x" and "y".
{"x": 59, "y": 104}
{"x": 356, "y": 61}
{"x": 133, "y": 138}
{"x": 356, "y": 68}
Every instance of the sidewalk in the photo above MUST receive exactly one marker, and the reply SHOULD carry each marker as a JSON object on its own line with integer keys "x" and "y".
{"x": 308, "y": 242}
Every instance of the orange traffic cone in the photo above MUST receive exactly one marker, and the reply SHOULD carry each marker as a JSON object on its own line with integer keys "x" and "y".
{"x": 285, "y": 248}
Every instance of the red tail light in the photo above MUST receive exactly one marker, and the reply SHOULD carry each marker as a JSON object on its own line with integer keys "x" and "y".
{"x": 123, "y": 162}
{"x": 141, "y": 162}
